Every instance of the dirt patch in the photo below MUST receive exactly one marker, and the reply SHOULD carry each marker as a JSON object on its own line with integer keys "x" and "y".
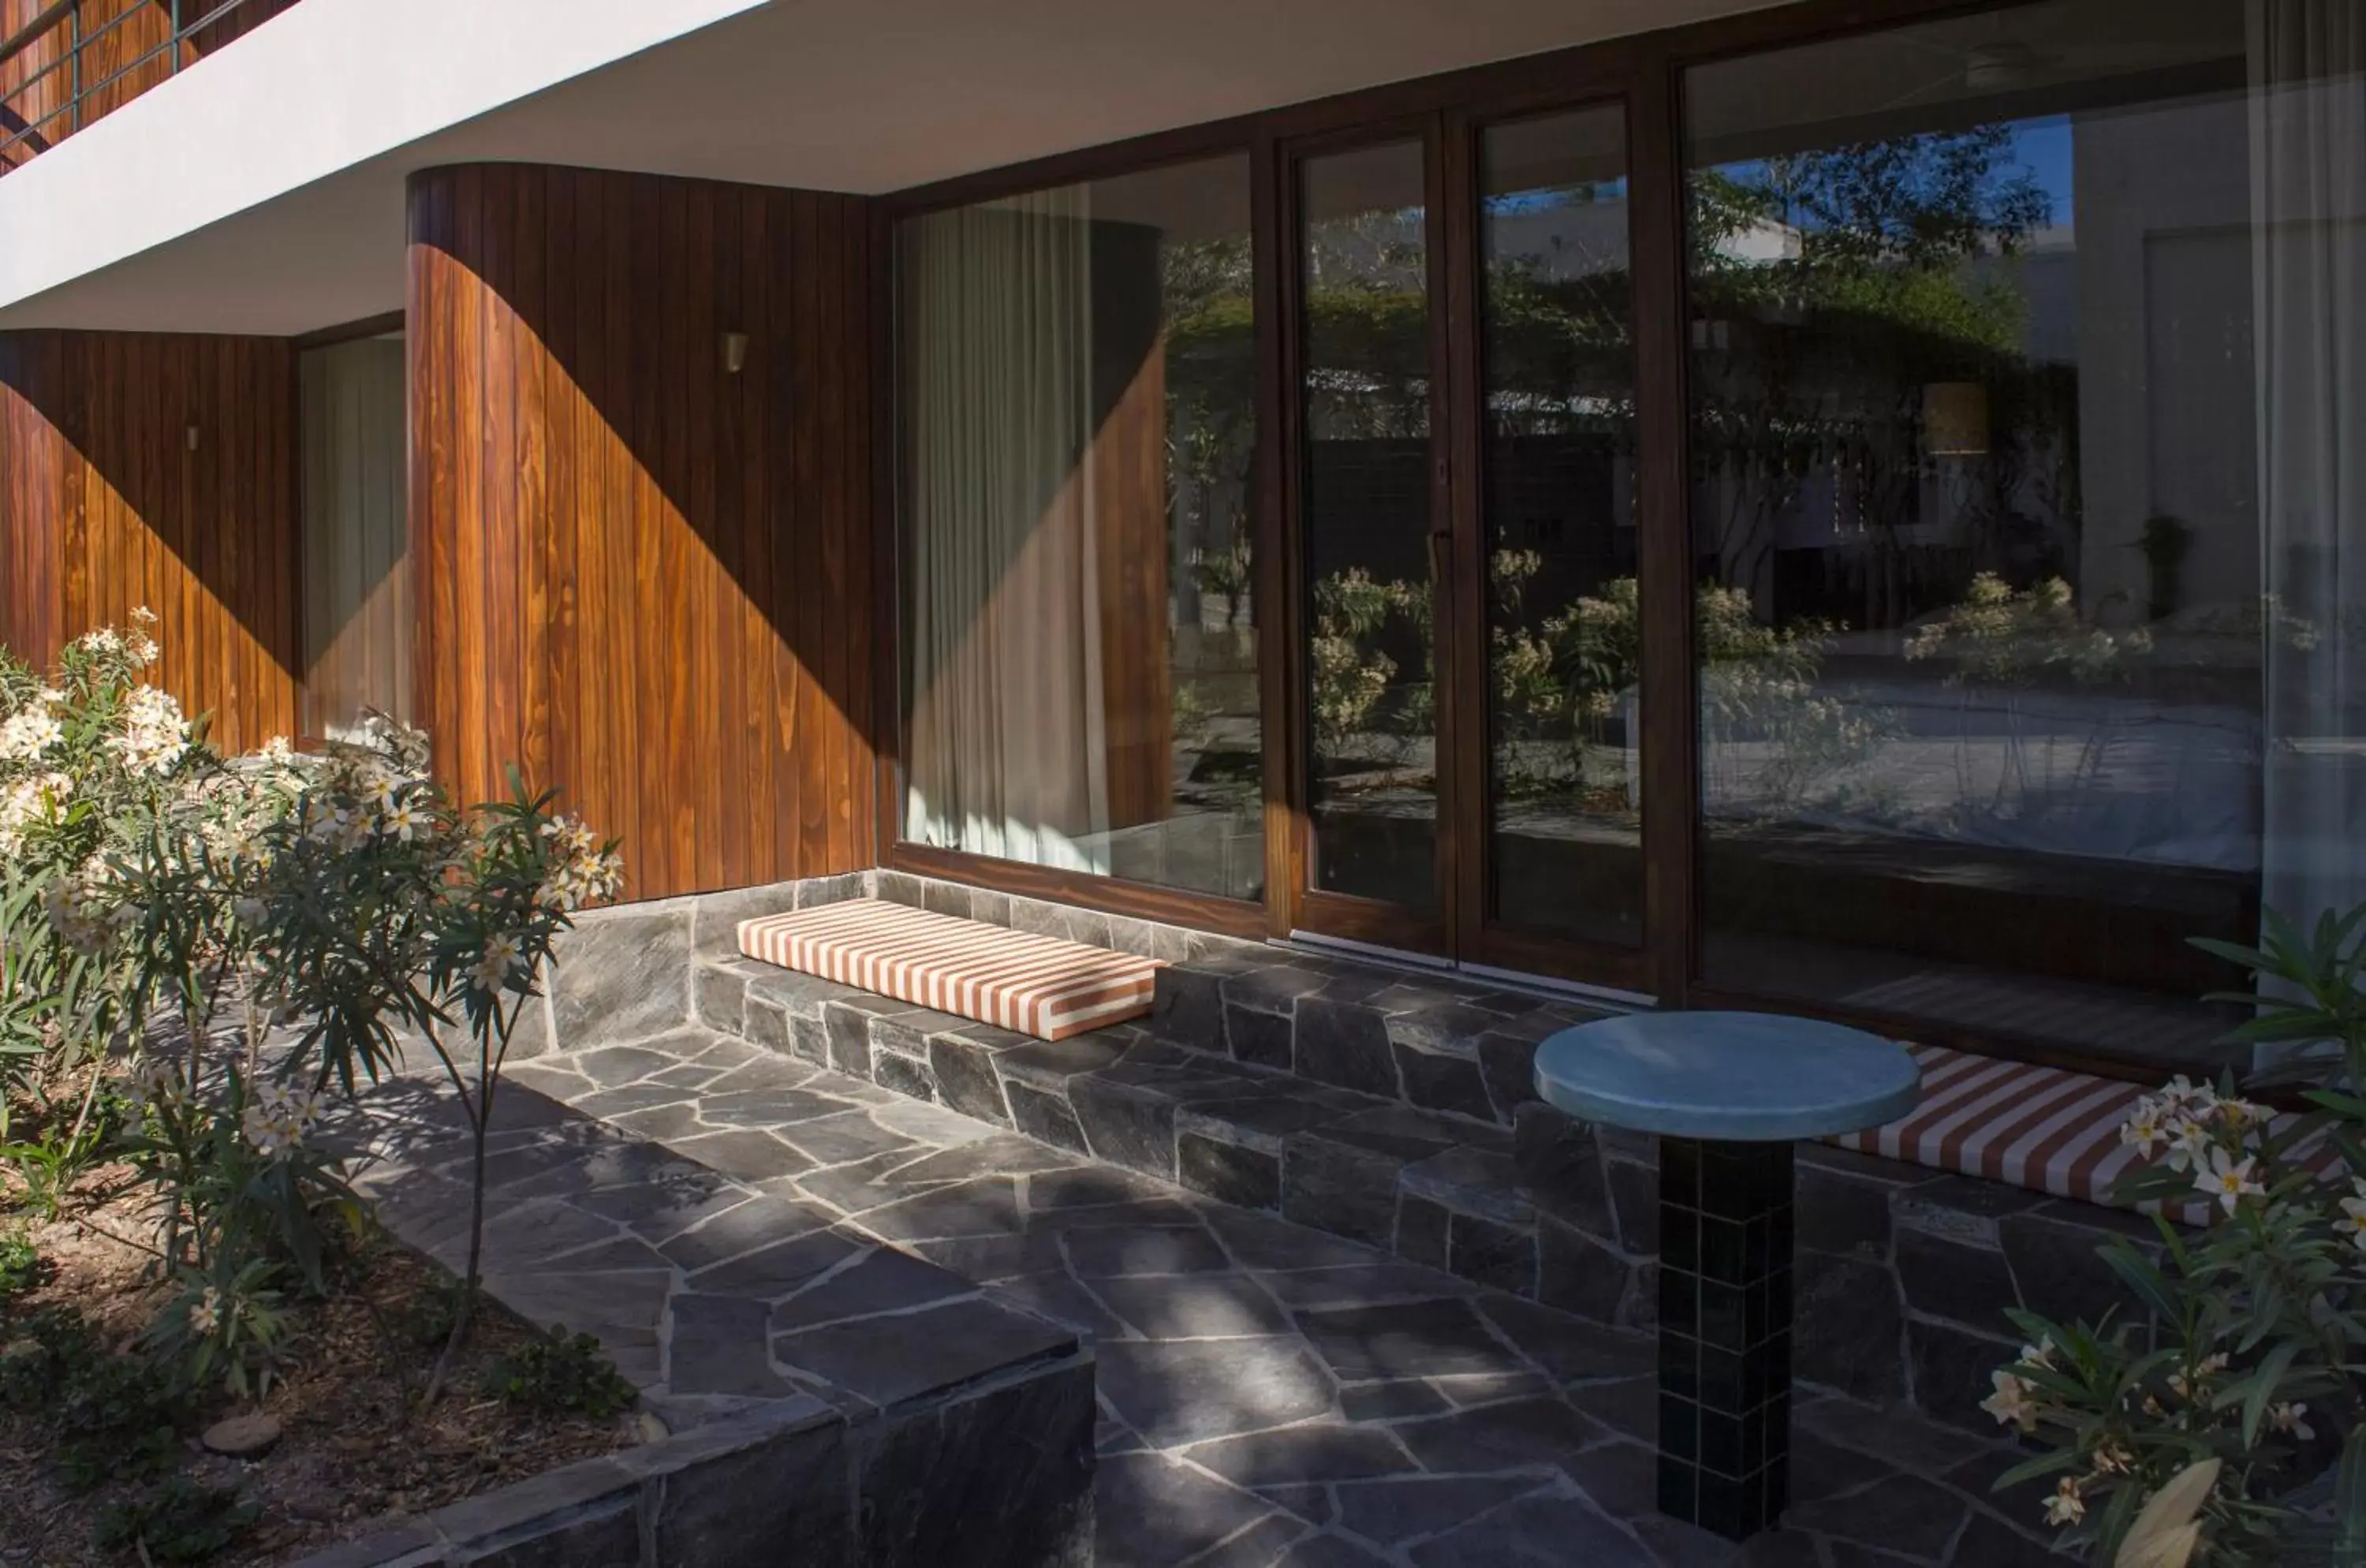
{"x": 350, "y": 1451}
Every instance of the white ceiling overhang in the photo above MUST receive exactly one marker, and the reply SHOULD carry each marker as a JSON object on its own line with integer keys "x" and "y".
{"x": 263, "y": 191}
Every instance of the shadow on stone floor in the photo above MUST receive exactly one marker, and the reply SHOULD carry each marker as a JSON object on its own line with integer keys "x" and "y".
{"x": 726, "y": 1219}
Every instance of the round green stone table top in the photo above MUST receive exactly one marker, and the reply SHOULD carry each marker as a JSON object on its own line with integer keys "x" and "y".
{"x": 1736, "y": 1076}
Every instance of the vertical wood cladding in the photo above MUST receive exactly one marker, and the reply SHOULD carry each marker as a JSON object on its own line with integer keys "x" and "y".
{"x": 105, "y": 506}
{"x": 644, "y": 578}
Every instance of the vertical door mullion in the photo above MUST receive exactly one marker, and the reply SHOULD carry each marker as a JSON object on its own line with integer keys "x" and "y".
{"x": 1277, "y": 583}
{"x": 1440, "y": 547}
{"x": 1670, "y": 744}
{"x": 1462, "y": 655}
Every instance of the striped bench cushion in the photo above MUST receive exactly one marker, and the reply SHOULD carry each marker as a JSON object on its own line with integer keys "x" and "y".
{"x": 2042, "y": 1128}
{"x": 1042, "y": 985}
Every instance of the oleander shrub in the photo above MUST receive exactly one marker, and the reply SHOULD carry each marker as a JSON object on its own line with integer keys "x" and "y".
{"x": 2179, "y": 1430}
{"x": 205, "y": 954}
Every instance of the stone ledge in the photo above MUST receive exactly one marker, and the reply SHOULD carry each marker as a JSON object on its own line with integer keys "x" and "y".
{"x": 949, "y": 1482}
{"x": 1399, "y": 1111}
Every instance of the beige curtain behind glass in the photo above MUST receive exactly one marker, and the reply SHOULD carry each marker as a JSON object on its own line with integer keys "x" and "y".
{"x": 355, "y": 541}
{"x": 1005, "y": 743}
{"x": 2308, "y": 152}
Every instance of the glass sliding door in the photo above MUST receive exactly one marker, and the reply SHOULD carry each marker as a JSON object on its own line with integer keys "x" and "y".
{"x": 1371, "y": 528}
{"x": 1556, "y": 459}
{"x": 2020, "y": 357}
{"x": 1076, "y": 427}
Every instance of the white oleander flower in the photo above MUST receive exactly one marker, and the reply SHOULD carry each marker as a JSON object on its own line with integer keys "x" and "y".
{"x": 28, "y": 734}
{"x": 2144, "y": 1129}
{"x": 2230, "y": 1180}
{"x": 2288, "y": 1419}
{"x": 2210, "y": 1366}
{"x": 2190, "y": 1147}
{"x": 2011, "y": 1404}
{"x": 141, "y": 646}
{"x": 28, "y": 801}
{"x": 276, "y": 1118}
{"x": 155, "y": 735}
{"x": 206, "y": 1317}
{"x": 499, "y": 960}
{"x": 74, "y": 915}
{"x": 2065, "y": 1506}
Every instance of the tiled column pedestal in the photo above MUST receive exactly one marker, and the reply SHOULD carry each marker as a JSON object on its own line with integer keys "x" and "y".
{"x": 1725, "y": 1333}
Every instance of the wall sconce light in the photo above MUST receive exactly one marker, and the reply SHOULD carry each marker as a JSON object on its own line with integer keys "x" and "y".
{"x": 1955, "y": 419}
{"x": 735, "y": 353}
{"x": 193, "y": 437}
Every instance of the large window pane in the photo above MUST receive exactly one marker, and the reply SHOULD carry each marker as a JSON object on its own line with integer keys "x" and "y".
{"x": 1372, "y": 658}
{"x": 356, "y": 554}
{"x": 1996, "y": 571}
{"x": 1564, "y": 847}
{"x": 1077, "y": 425}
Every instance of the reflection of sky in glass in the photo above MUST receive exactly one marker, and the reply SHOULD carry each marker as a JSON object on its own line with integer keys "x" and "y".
{"x": 1546, "y": 198}
{"x": 2044, "y": 148}
{"x": 2040, "y": 149}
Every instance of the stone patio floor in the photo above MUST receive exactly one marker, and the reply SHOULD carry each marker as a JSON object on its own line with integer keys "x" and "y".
{"x": 1268, "y": 1395}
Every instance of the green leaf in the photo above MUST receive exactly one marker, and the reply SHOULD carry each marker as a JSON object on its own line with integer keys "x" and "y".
{"x": 2350, "y": 1503}
{"x": 2144, "y": 1280}
{"x": 2349, "y": 1105}
{"x": 2264, "y": 1384}
{"x": 2030, "y": 1469}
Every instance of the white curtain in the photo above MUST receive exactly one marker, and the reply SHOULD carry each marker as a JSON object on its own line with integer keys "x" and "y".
{"x": 2308, "y": 153}
{"x": 1004, "y": 751}
{"x": 357, "y": 615}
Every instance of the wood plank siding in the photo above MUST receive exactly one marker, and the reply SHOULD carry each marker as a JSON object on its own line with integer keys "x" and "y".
{"x": 106, "y": 504}
{"x": 643, "y": 577}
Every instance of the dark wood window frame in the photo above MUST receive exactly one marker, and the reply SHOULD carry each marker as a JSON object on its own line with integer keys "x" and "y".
{"x": 1644, "y": 73}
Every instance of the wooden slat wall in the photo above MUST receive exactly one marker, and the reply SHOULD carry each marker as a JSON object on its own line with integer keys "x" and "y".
{"x": 104, "y": 507}
{"x": 32, "y": 497}
{"x": 647, "y": 580}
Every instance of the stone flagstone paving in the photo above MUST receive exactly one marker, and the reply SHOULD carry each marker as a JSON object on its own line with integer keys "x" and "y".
{"x": 1269, "y": 1397}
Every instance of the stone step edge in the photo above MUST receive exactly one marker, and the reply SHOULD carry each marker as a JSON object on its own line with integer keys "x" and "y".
{"x": 1457, "y": 1205}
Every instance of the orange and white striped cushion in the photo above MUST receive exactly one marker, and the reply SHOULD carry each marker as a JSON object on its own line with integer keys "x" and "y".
{"x": 2042, "y": 1128}
{"x": 1042, "y": 985}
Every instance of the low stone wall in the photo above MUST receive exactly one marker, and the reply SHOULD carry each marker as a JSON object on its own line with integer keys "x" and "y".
{"x": 1393, "y": 1109}
{"x": 833, "y": 1401}
{"x": 792, "y": 1482}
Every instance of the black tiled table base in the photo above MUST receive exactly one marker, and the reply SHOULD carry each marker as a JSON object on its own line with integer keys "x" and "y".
{"x": 1725, "y": 1333}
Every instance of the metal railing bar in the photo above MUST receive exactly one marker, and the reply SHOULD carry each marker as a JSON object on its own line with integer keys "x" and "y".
{"x": 73, "y": 56}
{"x": 71, "y": 59}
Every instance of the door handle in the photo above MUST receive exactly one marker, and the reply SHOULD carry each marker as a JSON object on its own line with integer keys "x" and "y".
{"x": 1441, "y": 553}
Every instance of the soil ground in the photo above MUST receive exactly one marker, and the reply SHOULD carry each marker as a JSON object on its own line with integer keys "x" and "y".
{"x": 351, "y": 1450}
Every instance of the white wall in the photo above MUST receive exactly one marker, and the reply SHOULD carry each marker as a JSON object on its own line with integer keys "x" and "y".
{"x": 325, "y": 86}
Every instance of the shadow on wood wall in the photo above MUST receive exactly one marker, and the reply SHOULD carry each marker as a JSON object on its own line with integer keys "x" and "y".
{"x": 645, "y": 576}
{"x": 156, "y": 470}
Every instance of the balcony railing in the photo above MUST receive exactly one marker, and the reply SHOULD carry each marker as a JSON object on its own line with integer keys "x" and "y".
{"x": 75, "y": 62}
